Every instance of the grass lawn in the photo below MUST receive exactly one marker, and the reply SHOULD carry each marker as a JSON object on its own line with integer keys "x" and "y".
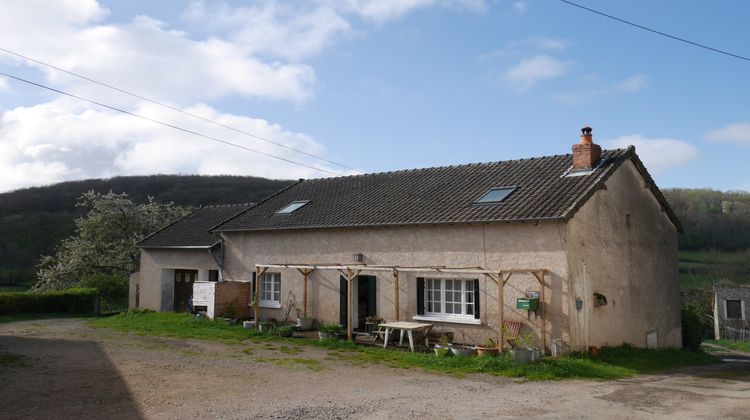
{"x": 701, "y": 269}
{"x": 612, "y": 363}
{"x": 731, "y": 344}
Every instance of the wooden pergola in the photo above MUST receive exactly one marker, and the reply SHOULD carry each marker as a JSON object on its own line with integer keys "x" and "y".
{"x": 350, "y": 272}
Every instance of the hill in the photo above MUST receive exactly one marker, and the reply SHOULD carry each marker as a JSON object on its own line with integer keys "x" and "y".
{"x": 33, "y": 220}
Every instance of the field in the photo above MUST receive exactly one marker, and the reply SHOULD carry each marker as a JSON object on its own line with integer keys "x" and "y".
{"x": 701, "y": 269}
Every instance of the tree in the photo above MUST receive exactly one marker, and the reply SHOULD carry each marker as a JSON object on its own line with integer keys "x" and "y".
{"x": 103, "y": 251}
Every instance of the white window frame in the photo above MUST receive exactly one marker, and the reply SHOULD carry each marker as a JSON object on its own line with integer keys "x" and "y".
{"x": 274, "y": 281}
{"x": 742, "y": 308}
{"x": 441, "y": 316}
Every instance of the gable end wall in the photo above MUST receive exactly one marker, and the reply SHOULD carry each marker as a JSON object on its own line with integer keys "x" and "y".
{"x": 622, "y": 245}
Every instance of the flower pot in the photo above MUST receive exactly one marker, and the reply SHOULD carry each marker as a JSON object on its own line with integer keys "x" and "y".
{"x": 304, "y": 324}
{"x": 462, "y": 351}
{"x": 525, "y": 355}
{"x": 327, "y": 336}
{"x": 487, "y": 351}
{"x": 442, "y": 350}
{"x": 248, "y": 325}
{"x": 265, "y": 328}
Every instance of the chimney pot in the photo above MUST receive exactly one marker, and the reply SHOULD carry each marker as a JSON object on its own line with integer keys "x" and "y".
{"x": 586, "y": 154}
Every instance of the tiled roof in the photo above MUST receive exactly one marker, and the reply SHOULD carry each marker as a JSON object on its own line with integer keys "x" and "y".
{"x": 438, "y": 195}
{"x": 193, "y": 230}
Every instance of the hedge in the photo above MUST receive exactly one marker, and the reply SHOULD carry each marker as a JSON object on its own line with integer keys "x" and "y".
{"x": 79, "y": 300}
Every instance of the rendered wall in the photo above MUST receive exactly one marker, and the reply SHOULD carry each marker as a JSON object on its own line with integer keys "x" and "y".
{"x": 156, "y": 275}
{"x": 621, "y": 245}
{"x": 503, "y": 246}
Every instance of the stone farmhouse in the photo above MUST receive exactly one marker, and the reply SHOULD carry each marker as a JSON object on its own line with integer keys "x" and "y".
{"x": 581, "y": 248}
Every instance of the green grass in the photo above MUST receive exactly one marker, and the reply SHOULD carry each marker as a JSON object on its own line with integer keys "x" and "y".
{"x": 4, "y": 319}
{"x": 731, "y": 344}
{"x": 701, "y": 269}
{"x": 612, "y": 363}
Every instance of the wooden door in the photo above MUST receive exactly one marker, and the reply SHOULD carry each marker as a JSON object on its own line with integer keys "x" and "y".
{"x": 183, "y": 288}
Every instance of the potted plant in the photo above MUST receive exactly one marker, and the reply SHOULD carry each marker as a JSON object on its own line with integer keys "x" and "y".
{"x": 284, "y": 331}
{"x": 304, "y": 323}
{"x": 330, "y": 331}
{"x": 267, "y": 326}
{"x": 442, "y": 348}
{"x": 488, "y": 349}
{"x": 525, "y": 352}
{"x": 462, "y": 350}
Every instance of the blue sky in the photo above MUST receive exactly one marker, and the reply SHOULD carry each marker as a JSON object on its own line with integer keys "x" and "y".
{"x": 376, "y": 85}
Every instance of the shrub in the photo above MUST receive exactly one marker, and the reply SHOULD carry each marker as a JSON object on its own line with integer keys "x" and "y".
{"x": 692, "y": 327}
{"x": 112, "y": 289}
{"x": 79, "y": 300}
{"x": 284, "y": 331}
{"x": 331, "y": 329}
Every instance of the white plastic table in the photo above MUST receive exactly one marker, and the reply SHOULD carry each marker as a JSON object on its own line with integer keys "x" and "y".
{"x": 409, "y": 328}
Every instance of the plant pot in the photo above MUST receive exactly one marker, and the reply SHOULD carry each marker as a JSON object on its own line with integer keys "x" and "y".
{"x": 525, "y": 355}
{"x": 462, "y": 351}
{"x": 266, "y": 328}
{"x": 327, "y": 336}
{"x": 487, "y": 351}
{"x": 442, "y": 350}
{"x": 304, "y": 324}
{"x": 248, "y": 325}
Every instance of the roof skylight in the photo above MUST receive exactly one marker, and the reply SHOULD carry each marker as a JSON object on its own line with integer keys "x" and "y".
{"x": 495, "y": 195}
{"x": 292, "y": 207}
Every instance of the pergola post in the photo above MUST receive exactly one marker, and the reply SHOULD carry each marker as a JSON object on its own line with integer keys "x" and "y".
{"x": 256, "y": 303}
{"x": 540, "y": 278}
{"x": 397, "y": 287}
{"x": 350, "y": 275}
{"x": 305, "y": 274}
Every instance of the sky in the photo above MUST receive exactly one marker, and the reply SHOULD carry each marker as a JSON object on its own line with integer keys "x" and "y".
{"x": 370, "y": 85}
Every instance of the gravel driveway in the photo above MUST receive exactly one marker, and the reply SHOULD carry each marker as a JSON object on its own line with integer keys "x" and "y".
{"x": 68, "y": 370}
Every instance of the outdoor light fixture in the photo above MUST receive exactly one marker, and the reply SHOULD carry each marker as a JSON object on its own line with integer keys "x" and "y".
{"x": 358, "y": 257}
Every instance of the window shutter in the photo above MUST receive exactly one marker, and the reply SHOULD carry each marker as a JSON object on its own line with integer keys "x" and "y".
{"x": 343, "y": 290}
{"x": 476, "y": 298}
{"x": 420, "y": 295}
{"x": 252, "y": 292}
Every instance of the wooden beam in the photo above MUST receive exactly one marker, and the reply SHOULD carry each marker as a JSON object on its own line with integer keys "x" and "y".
{"x": 501, "y": 280}
{"x": 365, "y": 267}
{"x": 396, "y": 287}
{"x": 350, "y": 275}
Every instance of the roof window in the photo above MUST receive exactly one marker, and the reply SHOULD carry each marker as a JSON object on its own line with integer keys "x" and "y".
{"x": 495, "y": 195}
{"x": 292, "y": 207}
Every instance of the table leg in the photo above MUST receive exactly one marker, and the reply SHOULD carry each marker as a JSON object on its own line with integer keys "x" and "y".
{"x": 401, "y": 338}
{"x": 411, "y": 341}
{"x": 387, "y": 332}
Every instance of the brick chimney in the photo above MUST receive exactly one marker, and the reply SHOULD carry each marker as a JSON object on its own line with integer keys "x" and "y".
{"x": 586, "y": 153}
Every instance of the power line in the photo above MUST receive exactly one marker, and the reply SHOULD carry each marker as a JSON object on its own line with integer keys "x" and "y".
{"x": 173, "y": 108}
{"x": 695, "y": 44}
{"x": 216, "y": 139}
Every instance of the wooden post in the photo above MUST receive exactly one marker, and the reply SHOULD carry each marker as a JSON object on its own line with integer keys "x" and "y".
{"x": 501, "y": 301}
{"x": 349, "y": 326}
{"x": 305, "y": 273}
{"x": 258, "y": 273}
{"x": 396, "y": 298}
{"x": 540, "y": 278}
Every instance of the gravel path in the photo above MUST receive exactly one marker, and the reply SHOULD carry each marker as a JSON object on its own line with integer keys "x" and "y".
{"x": 67, "y": 370}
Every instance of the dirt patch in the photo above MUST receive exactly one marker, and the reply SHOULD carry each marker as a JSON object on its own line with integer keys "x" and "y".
{"x": 68, "y": 370}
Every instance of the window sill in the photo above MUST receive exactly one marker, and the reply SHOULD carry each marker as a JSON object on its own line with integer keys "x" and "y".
{"x": 270, "y": 305}
{"x": 448, "y": 319}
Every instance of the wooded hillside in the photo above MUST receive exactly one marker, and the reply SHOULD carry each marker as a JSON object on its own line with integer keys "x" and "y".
{"x": 33, "y": 220}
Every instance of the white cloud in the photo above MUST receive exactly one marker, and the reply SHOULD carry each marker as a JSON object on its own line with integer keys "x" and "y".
{"x": 519, "y": 7}
{"x": 632, "y": 84}
{"x": 530, "y": 71}
{"x": 63, "y": 140}
{"x": 658, "y": 154}
{"x": 733, "y": 133}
